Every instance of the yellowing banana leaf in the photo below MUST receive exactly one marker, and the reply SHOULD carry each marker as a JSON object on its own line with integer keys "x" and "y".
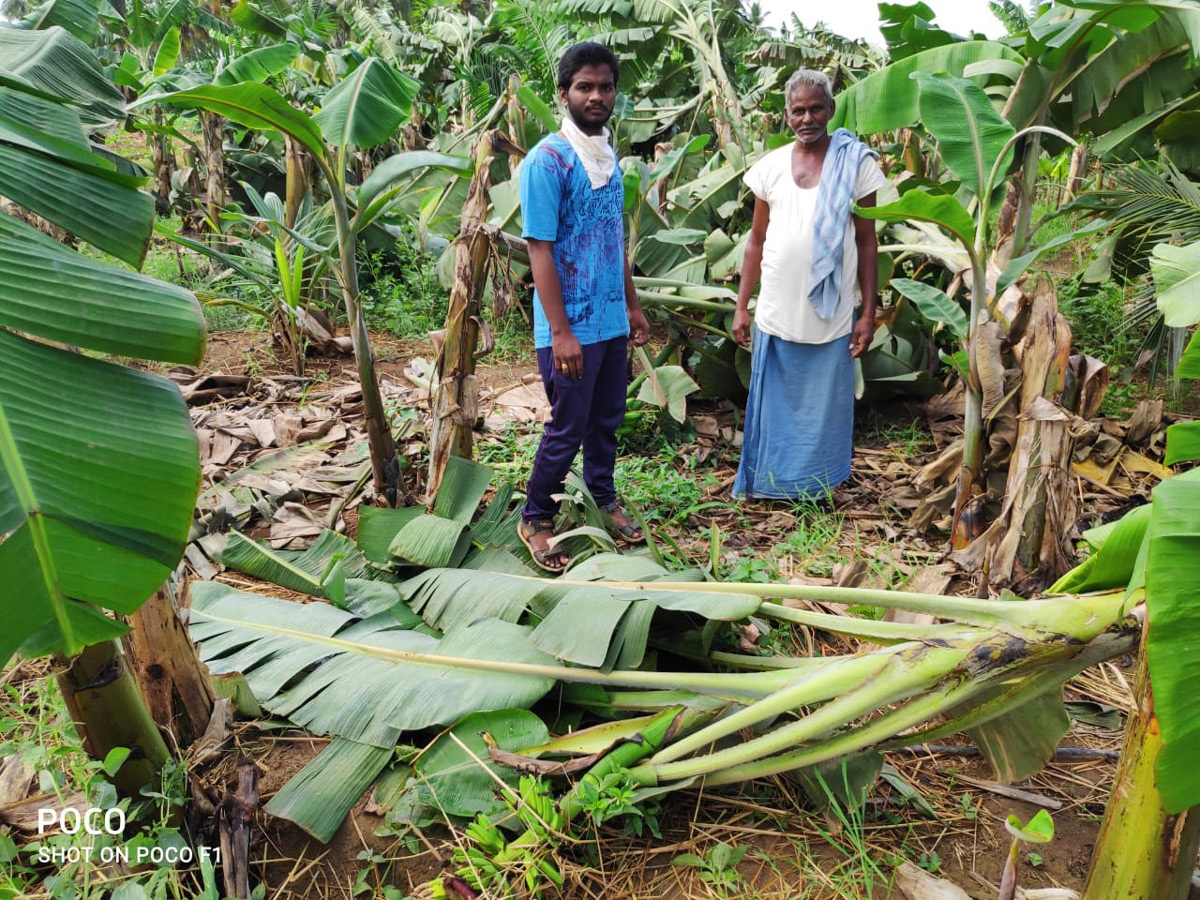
{"x": 363, "y": 679}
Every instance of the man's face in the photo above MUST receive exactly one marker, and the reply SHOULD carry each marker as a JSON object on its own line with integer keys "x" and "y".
{"x": 808, "y": 113}
{"x": 590, "y": 98}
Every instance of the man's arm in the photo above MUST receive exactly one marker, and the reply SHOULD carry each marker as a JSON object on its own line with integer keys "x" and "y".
{"x": 868, "y": 280}
{"x": 639, "y": 328}
{"x": 751, "y": 271}
{"x": 565, "y": 346}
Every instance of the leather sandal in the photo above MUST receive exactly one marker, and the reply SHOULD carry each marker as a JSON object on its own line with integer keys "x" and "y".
{"x": 631, "y": 531}
{"x": 527, "y": 530}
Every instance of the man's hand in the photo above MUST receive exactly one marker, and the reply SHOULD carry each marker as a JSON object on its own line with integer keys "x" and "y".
{"x": 568, "y": 355}
{"x": 639, "y": 328}
{"x": 860, "y": 337}
{"x": 741, "y": 326}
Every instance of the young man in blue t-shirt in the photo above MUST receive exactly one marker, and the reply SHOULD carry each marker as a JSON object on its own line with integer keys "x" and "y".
{"x": 585, "y": 307}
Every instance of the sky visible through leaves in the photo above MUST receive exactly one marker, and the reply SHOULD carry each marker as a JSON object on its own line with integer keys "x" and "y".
{"x": 860, "y": 18}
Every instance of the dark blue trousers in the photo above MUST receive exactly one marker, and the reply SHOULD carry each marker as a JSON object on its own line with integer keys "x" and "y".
{"x": 582, "y": 413}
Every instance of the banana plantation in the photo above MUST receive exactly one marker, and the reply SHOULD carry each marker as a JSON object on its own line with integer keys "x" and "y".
{"x": 269, "y": 404}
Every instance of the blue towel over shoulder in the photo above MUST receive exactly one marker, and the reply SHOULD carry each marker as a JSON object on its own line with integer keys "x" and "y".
{"x": 834, "y": 197}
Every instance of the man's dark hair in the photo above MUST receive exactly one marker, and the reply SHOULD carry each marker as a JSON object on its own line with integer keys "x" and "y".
{"x": 588, "y": 53}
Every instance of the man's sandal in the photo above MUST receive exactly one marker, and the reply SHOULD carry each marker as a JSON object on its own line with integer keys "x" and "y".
{"x": 628, "y": 530}
{"x": 527, "y": 530}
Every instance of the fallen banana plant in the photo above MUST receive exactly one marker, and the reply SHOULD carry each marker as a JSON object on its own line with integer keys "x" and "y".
{"x": 490, "y": 635}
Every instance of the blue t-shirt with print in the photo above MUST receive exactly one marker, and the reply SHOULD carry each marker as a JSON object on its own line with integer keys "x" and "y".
{"x": 586, "y": 225}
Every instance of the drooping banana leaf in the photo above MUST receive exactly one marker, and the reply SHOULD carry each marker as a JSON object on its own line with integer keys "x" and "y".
{"x": 362, "y": 679}
{"x": 332, "y": 568}
{"x": 58, "y": 64}
{"x": 378, "y": 527}
{"x": 1019, "y": 743}
{"x": 258, "y": 65}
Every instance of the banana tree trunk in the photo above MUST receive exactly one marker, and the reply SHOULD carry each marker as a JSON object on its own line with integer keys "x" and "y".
{"x": 213, "y": 128}
{"x": 1027, "y": 545}
{"x": 164, "y": 162}
{"x": 385, "y": 464}
{"x": 456, "y": 398}
{"x": 299, "y": 177}
{"x": 107, "y": 708}
{"x": 1142, "y": 853}
{"x": 1075, "y": 174}
{"x": 163, "y": 660}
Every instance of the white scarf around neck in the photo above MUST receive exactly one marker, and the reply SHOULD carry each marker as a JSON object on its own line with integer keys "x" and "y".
{"x": 598, "y": 158}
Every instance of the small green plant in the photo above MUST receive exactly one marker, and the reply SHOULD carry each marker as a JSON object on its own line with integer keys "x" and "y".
{"x": 1038, "y": 830}
{"x": 614, "y": 797}
{"x": 400, "y": 290}
{"x": 717, "y": 867}
{"x": 929, "y": 861}
{"x": 1035, "y": 859}
{"x": 967, "y": 806}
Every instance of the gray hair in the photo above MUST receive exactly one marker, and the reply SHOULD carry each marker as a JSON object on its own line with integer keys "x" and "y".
{"x": 806, "y": 78}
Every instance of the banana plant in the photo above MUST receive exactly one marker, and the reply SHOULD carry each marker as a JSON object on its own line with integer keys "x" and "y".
{"x": 93, "y": 513}
{"x": 362, "y": 111}
{"x": 99, "y": 465}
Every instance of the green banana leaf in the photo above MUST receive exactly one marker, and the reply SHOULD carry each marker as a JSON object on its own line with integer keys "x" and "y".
{"x": 1183, "y": 443}
{"x": 1113, "y": 560}
{"x": 1176, "y": 273}
{"x": 935, "y": 305}
{"x": 367, "y": 106}
{"x": 1172, "y": 654}
{"x": 455, "y": 774}
{"x": 97, "y": 512}
{"x": 940, "y": 209}
{"x": 55, "y": 293}
{"x": 889, "y": 99}
{"x": 363, "y": 679}
{"x": 59, "y": 65}
{"x": 970, "y": 133}
{"x": 258, "y": 65}
{"x": 79, "y": 17}
{"x": 250, "y": 104}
